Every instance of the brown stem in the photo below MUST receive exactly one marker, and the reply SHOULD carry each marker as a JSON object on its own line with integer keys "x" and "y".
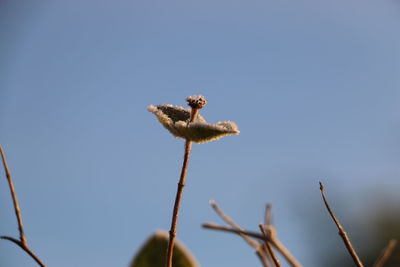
{"x": 232, "y": 223}
{"x": 251, "y": 242}
{"x": 25, "y": 248}
{"x": 261, "y": 255}
{"x": 14, "y": 198}
{"x": 271, "y": 252}
{"x": 284, "y": 251}
{"x": 22, "y": 243}
{"x": 193, "y": 114}
{"x": 386, "y": 253}
{"x": 273, "y": 240}
{"x": 266, "y": 253}
{"x": 181, "y": 185}
{"x": 214, "y": 226}
{"x": 342, "y": 233}
{"x": 268, "y": 214}
{"x": 268, "y": 225}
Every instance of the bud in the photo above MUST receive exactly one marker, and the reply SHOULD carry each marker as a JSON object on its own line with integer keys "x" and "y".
{"x": 196, "y": 101}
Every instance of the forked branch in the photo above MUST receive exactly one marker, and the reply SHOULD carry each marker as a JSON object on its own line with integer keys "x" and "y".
{"x": 273, "y": 240}
{"x": 256, "y": 245}
{"x": 22, "y": 243}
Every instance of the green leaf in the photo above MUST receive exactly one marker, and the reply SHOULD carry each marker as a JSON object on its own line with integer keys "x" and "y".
{"x": 153, "y": 253}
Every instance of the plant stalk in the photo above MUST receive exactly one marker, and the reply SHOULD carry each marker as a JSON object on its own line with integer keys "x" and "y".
{"x": 181, "y": 185}
{"x": 342, "y": 233}
{"x": 22, "y": 243}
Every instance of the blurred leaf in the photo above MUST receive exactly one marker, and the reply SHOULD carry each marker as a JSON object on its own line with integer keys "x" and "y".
{"x": 154, "y": 250}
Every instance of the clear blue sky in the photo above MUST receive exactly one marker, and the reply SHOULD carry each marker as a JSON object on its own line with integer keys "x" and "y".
{"x": 314, "y": 87}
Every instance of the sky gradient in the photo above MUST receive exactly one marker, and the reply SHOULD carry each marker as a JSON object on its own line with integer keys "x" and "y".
{"x": 314, "y": 87}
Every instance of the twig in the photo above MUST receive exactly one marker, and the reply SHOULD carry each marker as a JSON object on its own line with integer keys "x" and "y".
{"x": 268, "y": 214}
{"x": 274, "y": 241}
{"x": 214, "y": 226}
{"x": 386, "y": 253}
{"x": 22, "y": 243}
{"x": 284, "y": 251}
{"x": 25, "y": 248}
{"x": 181, "y": 185}
{"x": 196, "y": 103}
{"x": 269, "y": 227}
{"x": 274, "y": 258}
{"x": 342, "y": 233}
{"x": 14, "y": 198}
{"x": 232, "y": 223}
{"x": 271, "y": 231}
{"x": 251, "y": 242}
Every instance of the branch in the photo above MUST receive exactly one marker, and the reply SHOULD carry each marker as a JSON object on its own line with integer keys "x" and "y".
{"x": 25, "y": 248}
{"x": 22, "y": 243}
{"x": 268, "y": 214}
{"x": 14, "y": 198}
{"x": 386, "y": 253}
{"x": 342, "y": 233}
{"x": 271, "y": 252}
{"x": 268, "y": 227}
{"x": 214, "y": 226}
{"x": 274, "y": 241}
{"x": 178, "y": 197}
{"x": 231, "y": 222}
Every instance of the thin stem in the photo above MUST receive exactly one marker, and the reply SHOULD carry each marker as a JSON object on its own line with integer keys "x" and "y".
{"x": 284, "y": 251}
{"x": 231, "y": 222}
{"x": 386, "y": 253}
{"x": 268, "y": 225}
{"x": 273, "y": 240}
{"x": 214, "y": 226}
{"x": 342, "y": 233}
{"x": 268, "y": 214}
{"x": 22, "y": 243}
{"x": 25, "y": 248}
{"x": 271, "y": 252}
{"x": 181, "y": 185}
{"x": 261, "y": 255}
{"x": 193, "y": 114}
{"x": 14, "y": 198}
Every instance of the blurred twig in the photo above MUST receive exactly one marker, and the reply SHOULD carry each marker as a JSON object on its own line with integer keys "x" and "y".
{"x": 342, "y": 233}
{"x": 268, "y": 214}
{"x": 270, "y": 251}
{"x": 256, "y": 245}
{"x": 269, "y": 227}
{"x": 386, "y": 253}
{"x": 22, "y": 243}
{"x": 273, "y": 240}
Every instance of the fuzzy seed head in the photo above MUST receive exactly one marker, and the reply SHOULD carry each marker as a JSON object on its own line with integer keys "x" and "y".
{"x": 196, "y": 101}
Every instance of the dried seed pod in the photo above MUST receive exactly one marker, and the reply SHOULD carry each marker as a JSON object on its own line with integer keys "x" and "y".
{"x": 196, "y": 101}
{"x": 176, "y": 120}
